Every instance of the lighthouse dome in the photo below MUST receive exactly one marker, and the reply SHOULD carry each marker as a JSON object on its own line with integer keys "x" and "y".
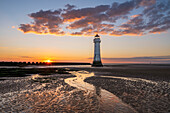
{"x": 97, "y": 36}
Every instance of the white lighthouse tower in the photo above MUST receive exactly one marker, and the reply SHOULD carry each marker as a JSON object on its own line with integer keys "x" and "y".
{"x": 97, "y": 59}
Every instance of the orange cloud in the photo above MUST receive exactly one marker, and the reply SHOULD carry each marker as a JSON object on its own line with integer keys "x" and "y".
{"x": 42, "y": 33}
{"x": 13, "y": 27}
{"x": 134, "y": 16}
{"x": 73, "y": 19}
{"x": 76, "y": 34}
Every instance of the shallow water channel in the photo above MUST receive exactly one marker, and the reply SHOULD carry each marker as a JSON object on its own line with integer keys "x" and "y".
{"x": 108, "y": 102}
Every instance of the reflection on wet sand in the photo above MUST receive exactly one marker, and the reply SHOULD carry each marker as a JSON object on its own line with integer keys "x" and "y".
{"x": 107, "y": 101}
{"x": 49, "y": 94}
{"x": 98, "y": 91}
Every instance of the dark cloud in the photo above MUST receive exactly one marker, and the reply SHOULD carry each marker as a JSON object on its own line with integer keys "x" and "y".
{"x": 69, "y": 7}
{"x": 133, "y": 27}
{"x": 76, "y": 33}
{"x": 91, "y": 20}
{"x": 146, "y": 59}
{"x": 160, "y": 29}
{"x": 26, "y": 57}
{"x": 84, "y": 12}
{"x": 120, "y": 9}
{"x": 44, "y": 14}
{"x": 45, "y": 22}
{"x": 103, "y": 19}
{"x": 147, "y": 2}
{"x": 154, "y": 19}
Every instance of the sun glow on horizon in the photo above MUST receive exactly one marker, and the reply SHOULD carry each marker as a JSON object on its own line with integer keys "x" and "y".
{"x": 48, "y": 61}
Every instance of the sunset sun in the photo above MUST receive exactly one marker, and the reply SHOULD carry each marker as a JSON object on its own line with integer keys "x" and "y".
{"x": 48, "y": 61}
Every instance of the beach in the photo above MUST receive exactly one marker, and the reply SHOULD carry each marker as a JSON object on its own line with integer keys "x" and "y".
{"x": 146, "y": 88}
{"x": 112, "y": 88}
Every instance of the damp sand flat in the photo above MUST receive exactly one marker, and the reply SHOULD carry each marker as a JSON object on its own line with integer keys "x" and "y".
{"x": 145, "y": 87}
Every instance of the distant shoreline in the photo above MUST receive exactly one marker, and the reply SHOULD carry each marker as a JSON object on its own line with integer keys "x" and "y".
{"x": 41, "y": 63}
{"x": 3, "y": 63}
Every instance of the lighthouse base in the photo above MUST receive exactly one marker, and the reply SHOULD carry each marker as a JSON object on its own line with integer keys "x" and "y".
{"x": 97, "y": 64}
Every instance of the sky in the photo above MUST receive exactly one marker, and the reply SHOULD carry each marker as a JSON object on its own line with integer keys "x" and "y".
{"x": 131, "y": 31}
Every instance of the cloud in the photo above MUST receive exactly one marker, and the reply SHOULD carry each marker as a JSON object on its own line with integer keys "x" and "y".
{"x": 121, "y": 9}
{"x": 147, "y": 2}
{"x": 91, "y": 20}
{"x": 69, "y": 7}
{"x": 45, "y": 22}
{"x": 84, "y": 12}
{"x": 76, "y": 33}
{"x": 160, "y": 29}
{"x": 153, "y": 17}
{"x": 13, "y": 27}
{"x": 134, "y": 16}
{"x": 25, "y": 57}
{"x": 145, "y": 59}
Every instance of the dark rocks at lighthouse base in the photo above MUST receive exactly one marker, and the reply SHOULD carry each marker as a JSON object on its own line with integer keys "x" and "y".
{"x": 97, "y": 64}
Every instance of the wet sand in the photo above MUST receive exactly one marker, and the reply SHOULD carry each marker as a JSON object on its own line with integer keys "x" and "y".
{"x": 107, "y": 102}
{"x": 144, "y": 89}
{"x": 58, "y": 93}
{"x": 34, "y": 93}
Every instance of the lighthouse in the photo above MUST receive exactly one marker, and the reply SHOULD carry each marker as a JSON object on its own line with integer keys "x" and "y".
{"x": 97, "y": 59}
